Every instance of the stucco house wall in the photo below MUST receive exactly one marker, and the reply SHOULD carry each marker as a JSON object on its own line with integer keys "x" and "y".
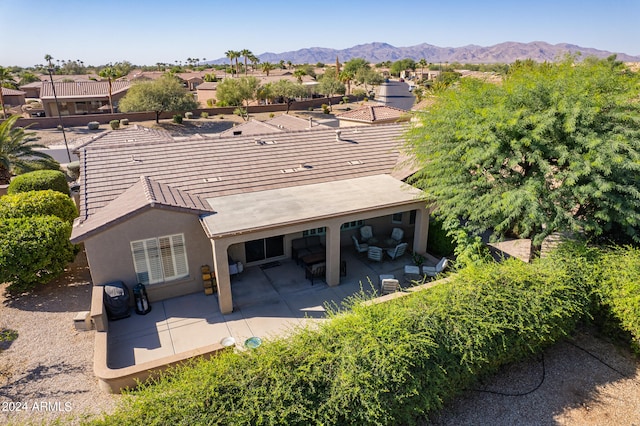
{"x": 110, "y": 258}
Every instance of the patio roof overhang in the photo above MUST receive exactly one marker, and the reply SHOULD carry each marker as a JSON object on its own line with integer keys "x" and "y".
{"x": 277, "y": 208}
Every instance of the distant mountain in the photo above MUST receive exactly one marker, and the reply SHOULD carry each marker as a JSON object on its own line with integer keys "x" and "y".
{"x": 379, "y": 52}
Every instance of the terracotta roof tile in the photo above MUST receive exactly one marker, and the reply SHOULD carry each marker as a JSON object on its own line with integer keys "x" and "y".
{"x": 373, "y": 114}
{"x": 144, "y": 194}
{"x": 83, "y": 89}
{"x": 11, "y": 92}
{"x": 210, "y": 167}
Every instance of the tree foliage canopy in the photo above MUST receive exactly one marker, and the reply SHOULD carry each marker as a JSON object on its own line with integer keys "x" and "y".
{"x": 555, "y": 147}
{"x": 38, "y": 203}
{"x": 163, "y": 94}
{"x": 235, "y": 91}
{"x": 17, "y": 153}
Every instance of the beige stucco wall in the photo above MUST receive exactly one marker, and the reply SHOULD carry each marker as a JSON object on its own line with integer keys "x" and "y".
{"x": 382, "y": 226}
{"x": 110, "y": 259}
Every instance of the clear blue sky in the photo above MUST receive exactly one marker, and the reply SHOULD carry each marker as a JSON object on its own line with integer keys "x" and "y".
{"x": 147, "y": 32}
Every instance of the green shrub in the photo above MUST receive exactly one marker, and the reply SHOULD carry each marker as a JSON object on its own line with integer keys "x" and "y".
{"x": 388, "y": 363}
{"x": 124, "y": 121}
{"x": 204, "y": 114}
{"x": 115, "y": 124}
{"x": 177, "y": 119}
{"x": 188, "y": 115}
{"x": 39, "y": 180}
{"x": 93, "y": 125}
{"x": 38, "y": 203}
{"x": 438, "y": 241}
{"x": 345, "y": 99}
{"x": 271, "y": 115}
{"x": 33, "y": 250}
{"x": 617, "y": 283}
{"x": 325, "y": 108}
{"x": 210, "y": 103}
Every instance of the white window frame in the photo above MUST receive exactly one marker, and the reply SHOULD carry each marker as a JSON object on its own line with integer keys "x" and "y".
{"x": 395, "y": 220}
{"x": 161, "y": 259}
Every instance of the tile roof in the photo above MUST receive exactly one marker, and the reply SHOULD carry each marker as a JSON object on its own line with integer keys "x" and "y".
{"x": 373, "y": 114}
{"x": 208, "y": 85}
{"x": 143, "y": 195}
{"x": 123, "y": 136}
{"x": 11, "y": 92}
{"x": 212, "y": 166}
{"x": 83, "y": 89}
{"x": 279, "y": 123}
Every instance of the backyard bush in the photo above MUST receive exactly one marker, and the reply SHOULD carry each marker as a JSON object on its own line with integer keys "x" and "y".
{"x": 33, "y": 250}
{"x": 38, "y": 203}
{"x": 115, "y": 124}
{"x": 204, "y": 114}
{"x": 177, "y": 119}
{"x": 93, "y": 125}
{"x": 39, "y": 180}
{"x": 387, "y": 363}
{"x": 438, "y": 241}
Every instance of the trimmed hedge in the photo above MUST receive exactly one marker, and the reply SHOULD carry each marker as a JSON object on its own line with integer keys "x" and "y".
{"x": 39, "y": 180}
{"x": 33, "y": 250}
{"x": 38, "y": 203}
{"x": 388, "y": 363}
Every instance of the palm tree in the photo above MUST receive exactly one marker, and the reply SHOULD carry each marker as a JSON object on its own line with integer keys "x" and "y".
{"x": 266, "y": 67}
{"x": 246, "y": 53}
{"x": 5, "y": 77}
{"x": 110, "y": 73}
{"x": 298, "y": 74}
{"x": 254, "y": 61}
{"x": 232, "y": 54}
{"x": 17, "y": 150}
{"x": 346, "y": 77}
{"x": 423, "y": 63}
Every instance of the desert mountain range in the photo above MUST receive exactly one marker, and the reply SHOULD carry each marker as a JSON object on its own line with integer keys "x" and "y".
{"x": 379, "y": 52}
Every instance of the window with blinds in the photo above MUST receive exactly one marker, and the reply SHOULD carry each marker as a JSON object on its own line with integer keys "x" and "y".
{"x": 160, "y": 259}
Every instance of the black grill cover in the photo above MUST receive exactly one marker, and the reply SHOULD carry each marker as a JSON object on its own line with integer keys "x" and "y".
{"x": 116, "y": 300}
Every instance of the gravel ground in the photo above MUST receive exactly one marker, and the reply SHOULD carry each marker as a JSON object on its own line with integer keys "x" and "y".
{"x": 49, "y": 362}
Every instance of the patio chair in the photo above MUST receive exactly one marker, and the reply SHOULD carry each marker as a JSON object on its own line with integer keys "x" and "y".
{"x": 397, "y": 251}
{"x": 389, "y": 286}
{"x": 397, "y": 234}
{"x": 366, "y": 234}
{"x": 432, "y": 271}
{"x": 374, "y": 253}
{"x": 360, "y": 247}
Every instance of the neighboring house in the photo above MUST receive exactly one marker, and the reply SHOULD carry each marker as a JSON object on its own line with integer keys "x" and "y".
{"x": 279, "y": 123}
{"x": 206, "y": 91}
{"x": 154, "y": 210}
{"x": 13, "y": 97}
{"x": 32, "y": 90}
{"x": 369, "y": 115}
{"x": 81, "y": 97}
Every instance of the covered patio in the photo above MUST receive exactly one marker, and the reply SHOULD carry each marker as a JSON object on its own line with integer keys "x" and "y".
{"x": 268, "y": 302}
{"x": 289, "y": 211}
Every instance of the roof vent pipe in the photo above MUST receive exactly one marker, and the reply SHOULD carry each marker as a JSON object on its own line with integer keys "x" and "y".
{"x": 310, "y": 122}
{"x": 338, "y": 137}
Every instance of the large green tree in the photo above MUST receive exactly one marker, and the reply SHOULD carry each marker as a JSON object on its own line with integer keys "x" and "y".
{"x": 554, "y": 147}
{"x": 288, "y": 91}
{"x": 163, "y": 94}
{"x": 18, "y": 153}
{"x": 111, "y": 73}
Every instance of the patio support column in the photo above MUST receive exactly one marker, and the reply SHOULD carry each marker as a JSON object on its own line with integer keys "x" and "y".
{"x": 333, "y": 253}
{"x": 421, "y": 231}
{"x": 223, "y": 279}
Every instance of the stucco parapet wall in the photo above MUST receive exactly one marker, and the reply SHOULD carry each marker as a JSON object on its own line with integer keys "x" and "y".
{"x": 115, "y": 380}
{"x": 242, "y": 213}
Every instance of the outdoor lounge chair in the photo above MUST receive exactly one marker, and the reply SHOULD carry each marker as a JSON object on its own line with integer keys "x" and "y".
{"x": 389, "y": 286}
{"x": 366, "y": 234}
{"x": 432, "y": 271}
{"x": 397, "y": 234}
{"x": 374, "y": 253}
{"x": 360, "y": 247}
{"x": 397, "y": 251}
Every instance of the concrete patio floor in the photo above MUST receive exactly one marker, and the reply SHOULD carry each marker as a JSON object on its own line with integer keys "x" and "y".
{"x": 268, "y": 302}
